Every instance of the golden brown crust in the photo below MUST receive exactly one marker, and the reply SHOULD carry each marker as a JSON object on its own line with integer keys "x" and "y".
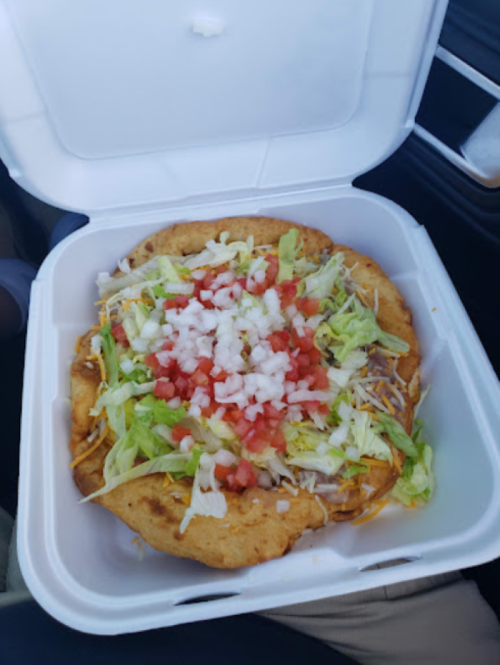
{"x": 256, "y": 531}
{"x": 191, "y": 237}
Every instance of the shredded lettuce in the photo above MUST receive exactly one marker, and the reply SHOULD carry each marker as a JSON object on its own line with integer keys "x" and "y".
{"x": 208, "y": 504}
{"x": 167, "y": 270}
{"x": 120, "y": 394}
{"x": 320, "y": 284}
{"x": 141, "y": 314}
{"x": 352, "y": 329}
{"x": 416, "y": 483}
{"x": 221, "y": 429}
{"x": 217, "y": 253}
{"x": 328, "y": 464}
{"x": 366, "y": 438}
{"x": 354, "y": 470}
{"x": 165, "y": 415}
{"x": 302, "y": 438}
{"x": 159, "y": 292}
{"x": 109, "y": 351}
{"x": 172, "y": 462}
{"x": 341, "y": 295}
{"x": 150, "y": 407}
{"x": 396, "y": 433}
{"x": 287, "y": 252}
{"x": 193, "y": 464}
{"x": 333, "y": 418}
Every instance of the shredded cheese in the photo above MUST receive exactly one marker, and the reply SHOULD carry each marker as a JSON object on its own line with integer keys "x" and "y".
{"x": 397, "y": 462}
{"x": 78, "y": 344}
{"x": 167, "y": 480}
{"x": 90, "y": 450}
{"x": 366, "y": 407}
{"x": 99, "y": 359}
{"x": 373, "y": 462}
{"x": 362, "y": 298}
{"x": 379, "y": 386}
{"x": 366, "y": 518}
{"x": 102, "y": 319}
{"x": 320, "y": 504}
{"x": 186, "y": 498}
{"x": 348, "y": 484}
{"x": 364, "y": 372}
{"x": 392, "y": 411}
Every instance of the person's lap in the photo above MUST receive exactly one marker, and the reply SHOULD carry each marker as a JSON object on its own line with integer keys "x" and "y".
{"x": 440, "y": 619}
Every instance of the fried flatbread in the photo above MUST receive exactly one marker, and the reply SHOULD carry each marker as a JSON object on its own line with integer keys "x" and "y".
{"x": 252, "y": 531}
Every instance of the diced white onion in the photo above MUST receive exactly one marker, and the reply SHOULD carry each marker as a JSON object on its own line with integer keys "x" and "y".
{"x": 150, "y": 330}
{"x": 127, "y": 366}
{"x": 180, "y": 288}
{"x": 186, "y": 444}
{"x": 140, "y": 345}
{"x": 225, "y": 457}
{"x": 282, "y": 506}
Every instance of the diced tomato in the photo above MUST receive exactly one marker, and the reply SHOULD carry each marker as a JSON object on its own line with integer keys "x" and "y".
{"x": 181, "y": 383}
{"x": 199, "y": 378}
{"x": 221, "y": 376}
{"x": 208, "y": 411}
{"x": 163, "y": 372}
{"x": 277, "y": 343}
{"x": 222, "y": 472}
{"x": 303, "y": 360}
{"x": 315, "y": 356}
{"x": 208, "y": 304}
{"x": 205, "y": 365}
{"x": 285, "y": 335}
{"x": 181, "y": 301}
{"x": 220, "y": 269}
{"x": 312, "y": 406}
{"x": 242, "y": 427}
{"x": 309, "y": 306}
{"x": 261, "y": 425}
{"x": 305, "y": 344}
{"x": 164, "y": 390}
{"x": 198, "y": 286}
{"x": 324, "y": 409}
{"x": 151, "y": 360}
{"x": 271, "y": 411}
{"x": 289, "y": 293}
{"x": 321, "y": 378}
{"x": 169, "y": 304}
{"x": 207, "y": 280}
{"x": 273, "y": 423}
{"x": 119, "y": 334}
{"x": 245, "y": 476}
{"x": 179, "y": 432}
{"x": 279, "y": 442}
{"x": 272, "y": 269}
{"x": 242, "y": 282}
{"x": 257, "y": 444}
{"x": 310, "y": 378}
{"x": 233, "y": 415}
{"x": 256, "y": 288}
{"x": 231, "y": 483}
{"x": 293, "y": 374}
{"x": 168, "y": 346}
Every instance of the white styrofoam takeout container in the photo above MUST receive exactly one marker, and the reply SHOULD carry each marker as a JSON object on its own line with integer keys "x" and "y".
{"x": 134, "y": 116}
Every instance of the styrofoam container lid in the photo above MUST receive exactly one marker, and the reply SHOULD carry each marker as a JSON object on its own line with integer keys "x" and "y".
{"x": 108, "y": 105}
